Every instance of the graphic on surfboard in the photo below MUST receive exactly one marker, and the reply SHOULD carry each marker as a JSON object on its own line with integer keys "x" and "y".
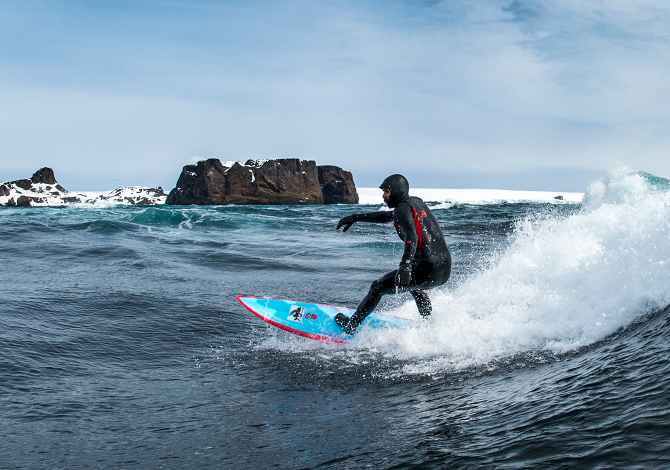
{"x": 314, "y": 321}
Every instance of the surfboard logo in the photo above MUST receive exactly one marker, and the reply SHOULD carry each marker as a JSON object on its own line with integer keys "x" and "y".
{"x": 296, "y": 313}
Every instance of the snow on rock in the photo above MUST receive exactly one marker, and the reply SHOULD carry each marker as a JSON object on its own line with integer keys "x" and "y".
{"x": 43, "y": 190}
{"x": 131, "y": 195}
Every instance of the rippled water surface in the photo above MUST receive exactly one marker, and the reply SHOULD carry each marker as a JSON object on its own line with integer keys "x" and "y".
{"x": 122, "y": 343}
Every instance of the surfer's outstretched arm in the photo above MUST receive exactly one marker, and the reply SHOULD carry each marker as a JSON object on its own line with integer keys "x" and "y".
{"x": 348, "y": 221}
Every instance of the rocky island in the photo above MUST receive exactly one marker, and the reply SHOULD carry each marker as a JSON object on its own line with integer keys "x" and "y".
{"x": 42, "y": 189}
{"x": 263, "y": 182}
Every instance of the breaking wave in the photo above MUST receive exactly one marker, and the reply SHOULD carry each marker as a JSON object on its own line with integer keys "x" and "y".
{"x": 560, "y": 284}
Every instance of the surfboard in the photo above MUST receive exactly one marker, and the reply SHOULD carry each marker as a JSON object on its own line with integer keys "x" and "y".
{"x": 314, "y": 321}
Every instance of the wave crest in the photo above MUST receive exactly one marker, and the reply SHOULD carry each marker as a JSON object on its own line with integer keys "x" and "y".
{"x": 561, "y": 283}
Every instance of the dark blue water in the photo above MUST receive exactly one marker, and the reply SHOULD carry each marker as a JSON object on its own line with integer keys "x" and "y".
{"x": 122, "y": 343}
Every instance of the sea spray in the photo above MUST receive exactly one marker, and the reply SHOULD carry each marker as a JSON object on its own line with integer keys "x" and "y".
{"x": 560, "y": 284}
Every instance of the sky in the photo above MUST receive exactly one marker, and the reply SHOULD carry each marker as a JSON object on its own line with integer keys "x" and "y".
{"x": 525, "y": 95}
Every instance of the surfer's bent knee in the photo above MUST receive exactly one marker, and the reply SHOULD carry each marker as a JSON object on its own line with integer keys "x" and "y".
{"x": 377, "y": 285}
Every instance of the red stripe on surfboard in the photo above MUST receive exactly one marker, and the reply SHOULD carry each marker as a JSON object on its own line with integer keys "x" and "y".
{"x": 327, "y": 339}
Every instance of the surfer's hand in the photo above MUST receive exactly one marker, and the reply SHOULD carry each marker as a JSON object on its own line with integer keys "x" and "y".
{"x": 347, "y": 221}
{"x": 404, "y": 275}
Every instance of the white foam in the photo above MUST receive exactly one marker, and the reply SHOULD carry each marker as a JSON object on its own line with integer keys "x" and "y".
{"x": 474, "y": 196}
{"x": 562, "y": 283}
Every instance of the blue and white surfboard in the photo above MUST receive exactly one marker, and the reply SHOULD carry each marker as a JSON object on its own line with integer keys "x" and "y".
{"x": 314, "y": 321}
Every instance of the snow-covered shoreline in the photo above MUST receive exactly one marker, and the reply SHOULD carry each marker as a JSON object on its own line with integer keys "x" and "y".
{"x": 40, "y": 194}
{"x": 373, "y": 196}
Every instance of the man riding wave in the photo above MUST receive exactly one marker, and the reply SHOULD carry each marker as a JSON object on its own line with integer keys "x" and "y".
{"x": 425, "y": 263}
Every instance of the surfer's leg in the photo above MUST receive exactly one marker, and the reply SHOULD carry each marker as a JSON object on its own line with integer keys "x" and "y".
{"x": 426, "y": 276}
{"x": 377, "y": 290}
{"x": 422, "y": 302}
{"x": 381, "y": 286}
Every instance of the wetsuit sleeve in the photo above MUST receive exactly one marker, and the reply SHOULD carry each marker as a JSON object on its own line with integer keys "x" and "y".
{"x": 405, "y": 220}
{"x": 381, "y": 216}
{"x": 348, "y": 221}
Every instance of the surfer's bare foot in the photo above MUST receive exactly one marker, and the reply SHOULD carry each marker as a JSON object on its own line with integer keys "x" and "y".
{"x": 345, "y": 323}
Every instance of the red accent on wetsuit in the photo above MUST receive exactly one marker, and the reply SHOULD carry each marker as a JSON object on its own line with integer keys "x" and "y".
{"x": 417, "y": 225}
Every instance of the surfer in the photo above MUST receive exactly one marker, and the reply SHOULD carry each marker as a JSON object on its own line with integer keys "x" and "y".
{"x": 425, "y": 263}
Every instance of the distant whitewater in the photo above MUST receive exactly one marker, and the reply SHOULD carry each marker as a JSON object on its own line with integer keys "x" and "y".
{"x": 476, "y": 196}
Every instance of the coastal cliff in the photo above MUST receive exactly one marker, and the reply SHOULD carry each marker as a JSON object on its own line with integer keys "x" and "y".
{"x": 337, "y": 185}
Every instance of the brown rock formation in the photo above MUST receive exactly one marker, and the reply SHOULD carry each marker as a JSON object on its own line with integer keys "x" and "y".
{"x": 337, "y": 185}
{"x": 262, "y": 182}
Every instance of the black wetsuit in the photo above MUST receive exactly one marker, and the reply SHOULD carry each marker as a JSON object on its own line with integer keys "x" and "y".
{"x": 426, "y": 261}
{"x": 425, "y": 249}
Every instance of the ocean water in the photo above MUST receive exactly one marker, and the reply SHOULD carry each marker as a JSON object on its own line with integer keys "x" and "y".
{"x": 122, "y": 343}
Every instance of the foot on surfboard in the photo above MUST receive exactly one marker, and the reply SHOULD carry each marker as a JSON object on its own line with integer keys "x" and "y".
{"x": 344, "y": 322}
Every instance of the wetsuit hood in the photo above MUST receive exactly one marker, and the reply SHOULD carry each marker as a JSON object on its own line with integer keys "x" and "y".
{"x": 399, "y": 187}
